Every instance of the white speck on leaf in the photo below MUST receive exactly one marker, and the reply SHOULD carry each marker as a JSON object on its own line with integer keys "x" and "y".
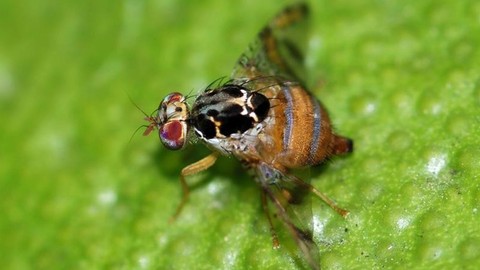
{"x": 143, "y": 261}
{"x": 230, "y": 259}
{"x": 436, "y": 164}
{"x": 107, "y": 197}
{"x": 403, "y": 223}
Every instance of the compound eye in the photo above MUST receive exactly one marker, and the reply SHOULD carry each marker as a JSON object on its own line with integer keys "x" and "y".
{"x": 173, "y": 134}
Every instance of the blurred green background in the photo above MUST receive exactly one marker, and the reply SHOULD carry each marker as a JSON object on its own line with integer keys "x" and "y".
{"x": 402, "y": 78}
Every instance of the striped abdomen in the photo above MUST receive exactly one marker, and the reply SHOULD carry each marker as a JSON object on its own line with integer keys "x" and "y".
{"x": 304, "y": 127}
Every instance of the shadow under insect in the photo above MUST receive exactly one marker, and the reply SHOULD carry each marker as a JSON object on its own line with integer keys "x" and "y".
{"x": 173, "y": 163}
{"x": 224, "y": 169}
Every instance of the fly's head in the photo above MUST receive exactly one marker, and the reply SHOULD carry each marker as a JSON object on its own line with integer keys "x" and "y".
{"x": 171, "y": 120}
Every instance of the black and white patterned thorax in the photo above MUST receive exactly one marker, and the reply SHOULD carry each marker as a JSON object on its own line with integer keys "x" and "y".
{"x": 227, "y": 112}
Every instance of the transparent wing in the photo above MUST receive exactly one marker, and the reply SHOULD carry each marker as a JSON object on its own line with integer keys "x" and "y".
{"x": 290, "y": 197}
{"x": 278, "y": 49}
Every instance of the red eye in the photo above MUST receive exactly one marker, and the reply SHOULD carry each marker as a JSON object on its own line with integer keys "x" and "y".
{"x": 172, "y": 134}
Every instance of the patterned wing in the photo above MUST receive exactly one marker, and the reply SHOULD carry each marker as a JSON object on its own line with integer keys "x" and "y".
{"x": 289, "y": 196}
{"x": 278, "y": 49}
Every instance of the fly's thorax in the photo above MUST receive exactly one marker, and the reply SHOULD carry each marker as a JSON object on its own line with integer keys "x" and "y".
{"x": 172, "y": 123}
{"x": 228, "y": 112}
{"x": 228, "y": 118}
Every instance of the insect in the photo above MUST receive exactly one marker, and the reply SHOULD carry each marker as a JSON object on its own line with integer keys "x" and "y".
{"x": 265, "y": 117}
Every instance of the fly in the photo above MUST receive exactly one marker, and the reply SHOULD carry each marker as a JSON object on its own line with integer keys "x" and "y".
{"x": 266, "y": 118}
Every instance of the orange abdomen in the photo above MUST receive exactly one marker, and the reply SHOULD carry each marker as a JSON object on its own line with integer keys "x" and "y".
{"x": 304, "y": 127}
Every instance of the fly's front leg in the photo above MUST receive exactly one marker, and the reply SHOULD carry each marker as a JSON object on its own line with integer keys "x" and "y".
{"x": 192, "y": 169}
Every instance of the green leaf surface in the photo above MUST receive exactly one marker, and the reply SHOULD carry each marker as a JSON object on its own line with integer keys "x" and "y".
{"x": 402, "y": 78}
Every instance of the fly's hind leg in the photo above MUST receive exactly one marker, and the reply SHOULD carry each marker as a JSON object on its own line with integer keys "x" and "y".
{"x": 342, "y": 145}
{"x": 266, "y": 210}
{"x": 330, "y": 202}
{"x": 192, "y": 169}
{"x": 319, "y": 194}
